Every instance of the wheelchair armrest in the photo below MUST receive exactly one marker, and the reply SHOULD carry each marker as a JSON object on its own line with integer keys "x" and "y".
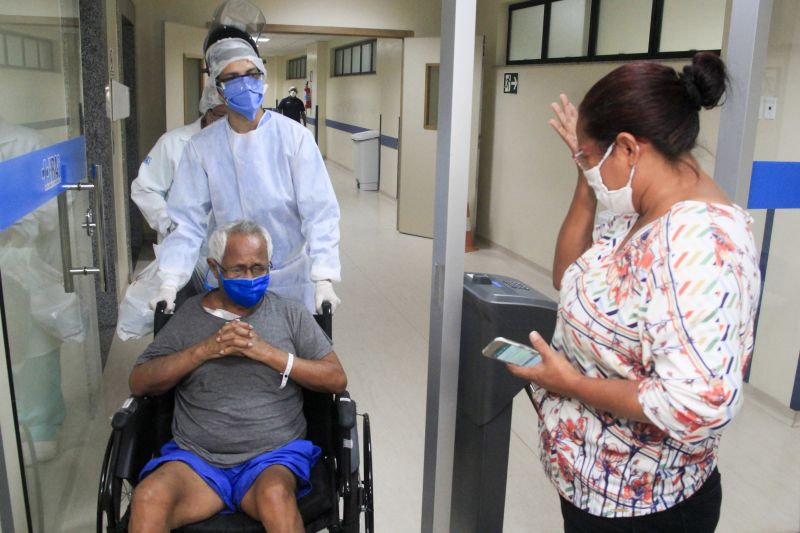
{"x": 127, "y": 411}
{"x": 346, "y": 410}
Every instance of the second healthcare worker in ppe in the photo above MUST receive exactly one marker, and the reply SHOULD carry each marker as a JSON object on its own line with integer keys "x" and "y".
{"x": 151, "y": 187}
{"x": 255, "y": 165}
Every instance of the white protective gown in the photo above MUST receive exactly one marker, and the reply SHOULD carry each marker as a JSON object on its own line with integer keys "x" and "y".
{"x": 273, "y": 175}
{"x": 150, "y": 189}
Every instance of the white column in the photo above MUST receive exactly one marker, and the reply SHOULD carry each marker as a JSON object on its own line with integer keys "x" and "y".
{"x": 745, "y": 52}
{"x": 456, "y": 86}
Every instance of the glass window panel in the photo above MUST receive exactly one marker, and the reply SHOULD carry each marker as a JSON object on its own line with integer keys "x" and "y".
{"x": 346, "y": 61}
{"x": 302, "y": 67}
{"x": 2, "y": 49}
{"x": 356, "y": 59}
{"x": 46, "y": 55}
{"x": 431, "y": 96}
{"x": 14, "y": 51}
{"x": 338, "y": 69}
{"x": 692, "y": 25}
{"x": 366, "y": 57}
{"x": 569, "y": 28}
{"x": 624, "y": 27}
{"x": 31, "y": 53}
{"x": 526, "y": 33}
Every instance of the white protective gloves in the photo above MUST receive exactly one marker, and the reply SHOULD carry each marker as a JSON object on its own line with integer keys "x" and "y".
{"x": 323, "y": 290}
{"x": 168, "y": 294}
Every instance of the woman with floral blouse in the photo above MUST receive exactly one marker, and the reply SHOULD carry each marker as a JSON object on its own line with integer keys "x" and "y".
{"x": 655, "y": 325}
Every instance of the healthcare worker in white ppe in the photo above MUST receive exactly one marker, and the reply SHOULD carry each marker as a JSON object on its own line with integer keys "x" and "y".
{"x": 255, "y": 165}
{"x": 150, "y": 189}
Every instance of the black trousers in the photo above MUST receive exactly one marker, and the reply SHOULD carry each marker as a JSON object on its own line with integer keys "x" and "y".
{"x": 697, "y": 514}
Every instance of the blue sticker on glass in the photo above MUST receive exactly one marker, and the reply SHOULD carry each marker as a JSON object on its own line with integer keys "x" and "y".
{"x": 30, "y": 180}
{"x": 774, "y": 185}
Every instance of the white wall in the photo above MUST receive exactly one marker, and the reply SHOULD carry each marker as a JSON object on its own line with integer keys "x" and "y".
{"x": 179, "y": 41}
{"x": 777, "y": 344}
{"x": 366, "y": 101}
{"x": 389, "y": 67}
{"x": 526, "y": 183}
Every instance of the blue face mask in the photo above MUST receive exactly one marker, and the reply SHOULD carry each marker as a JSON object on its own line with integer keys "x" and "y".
{"x": 244, "y": 95}
{"x": 246, "y": 292}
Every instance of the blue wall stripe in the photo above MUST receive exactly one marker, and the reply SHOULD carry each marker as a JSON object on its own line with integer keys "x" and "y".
{"x": 30, "y": 180}
{"x": 775, "y": 185}
{"x": 390, "y": 142}
{"x": 311, "y": 120}
{"x": 387, "y": 141}
{"x": 349, "y": 128}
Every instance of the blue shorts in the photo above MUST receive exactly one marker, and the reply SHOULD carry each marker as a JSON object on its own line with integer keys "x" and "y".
{"x": 231, "y": 484}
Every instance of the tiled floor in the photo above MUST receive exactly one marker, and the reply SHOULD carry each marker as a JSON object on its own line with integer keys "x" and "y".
{"x": 381, "y": 333}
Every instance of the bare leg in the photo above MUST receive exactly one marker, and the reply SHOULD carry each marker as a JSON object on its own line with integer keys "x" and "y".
{"x": 172, "y": 496}
{"x": 271, "y": 499}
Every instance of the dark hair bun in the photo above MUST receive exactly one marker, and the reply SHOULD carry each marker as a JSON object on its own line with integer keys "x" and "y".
{"x": 705, "y": 80}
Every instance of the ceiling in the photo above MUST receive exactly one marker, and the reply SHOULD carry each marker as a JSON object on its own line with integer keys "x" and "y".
{"x": 283, "y": 44}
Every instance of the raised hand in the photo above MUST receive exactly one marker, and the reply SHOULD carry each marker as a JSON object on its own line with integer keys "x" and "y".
{"x": 566, "y": 122}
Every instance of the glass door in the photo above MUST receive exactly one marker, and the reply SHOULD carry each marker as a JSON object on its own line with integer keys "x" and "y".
{"x": 47, "y": 272}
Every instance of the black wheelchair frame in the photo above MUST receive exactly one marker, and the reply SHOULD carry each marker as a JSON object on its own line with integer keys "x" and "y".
{"x": 143, "y": 424}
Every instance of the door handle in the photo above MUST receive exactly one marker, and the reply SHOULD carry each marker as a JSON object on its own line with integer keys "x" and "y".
{"x": 92, "y": 225}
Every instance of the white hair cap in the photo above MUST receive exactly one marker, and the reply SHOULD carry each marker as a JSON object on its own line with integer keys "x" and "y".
{"x": 210, "y": 98}
{"x": 224, "y": 52}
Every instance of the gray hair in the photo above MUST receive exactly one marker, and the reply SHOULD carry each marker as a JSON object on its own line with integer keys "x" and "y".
{"x": 219, "y": 239}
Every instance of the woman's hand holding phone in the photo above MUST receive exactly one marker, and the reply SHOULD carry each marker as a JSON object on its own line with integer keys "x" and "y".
{"x": 554, "y": 373}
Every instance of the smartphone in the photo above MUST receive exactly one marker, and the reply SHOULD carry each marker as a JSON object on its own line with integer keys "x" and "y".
{"x": 512, "y": 352}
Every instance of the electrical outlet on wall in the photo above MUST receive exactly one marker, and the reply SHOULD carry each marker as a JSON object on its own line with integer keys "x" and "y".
{"x": 769, "y": 107}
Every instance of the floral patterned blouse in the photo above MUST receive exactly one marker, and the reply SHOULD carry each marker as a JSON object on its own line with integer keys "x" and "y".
{"x": 673, "y": 309}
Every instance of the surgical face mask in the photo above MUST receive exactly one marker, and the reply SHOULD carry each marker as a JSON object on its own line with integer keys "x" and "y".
{"x": 246, "y": 292}
{"x": 244, "y": 95}
{"x": 619, "y": 201}
{"x": 292, "y": 93}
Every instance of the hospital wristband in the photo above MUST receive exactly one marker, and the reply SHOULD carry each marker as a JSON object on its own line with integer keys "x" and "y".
{"x": 288, "y": 371}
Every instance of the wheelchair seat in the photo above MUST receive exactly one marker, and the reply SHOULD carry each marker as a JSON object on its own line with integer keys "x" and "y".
{"x": 143, "y": 424}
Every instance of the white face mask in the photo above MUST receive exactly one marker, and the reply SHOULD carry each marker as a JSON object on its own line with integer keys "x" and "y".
{"x": 619, "y": 201}
{"x": 292, "y": 93}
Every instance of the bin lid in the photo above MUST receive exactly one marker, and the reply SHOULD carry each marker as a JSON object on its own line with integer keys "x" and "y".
{"x": 365, "y": 135}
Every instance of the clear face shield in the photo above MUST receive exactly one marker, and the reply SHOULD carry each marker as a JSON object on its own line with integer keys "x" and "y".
{"x": 235, "y": 16}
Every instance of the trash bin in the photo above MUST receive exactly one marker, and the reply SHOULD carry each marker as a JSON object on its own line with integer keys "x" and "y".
{"x": 493, "y": 306}
{"x": 366, "y": 146}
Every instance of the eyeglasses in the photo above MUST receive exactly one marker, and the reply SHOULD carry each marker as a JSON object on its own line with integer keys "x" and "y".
{"x": 580, "y": 159}
{"x": 253, "y": 73}
{"x": 256, "y": 270}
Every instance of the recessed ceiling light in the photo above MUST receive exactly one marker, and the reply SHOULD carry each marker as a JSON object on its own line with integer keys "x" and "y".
{"x": 263, "y": 39}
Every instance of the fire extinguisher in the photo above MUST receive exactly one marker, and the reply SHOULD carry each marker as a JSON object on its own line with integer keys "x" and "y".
{"x": 308, "y": 96}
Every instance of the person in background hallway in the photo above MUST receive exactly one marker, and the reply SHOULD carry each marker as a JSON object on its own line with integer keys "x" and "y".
{"x": 256, "y": 165}
{"x": 293, "y": 107}
{"x": 655, "y": 320}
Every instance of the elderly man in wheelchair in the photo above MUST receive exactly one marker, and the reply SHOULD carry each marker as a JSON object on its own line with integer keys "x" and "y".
{"x": 237, "y": 358}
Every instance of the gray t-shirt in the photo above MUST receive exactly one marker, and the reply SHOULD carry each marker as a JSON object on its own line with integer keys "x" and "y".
{"x": 230, "y": 409}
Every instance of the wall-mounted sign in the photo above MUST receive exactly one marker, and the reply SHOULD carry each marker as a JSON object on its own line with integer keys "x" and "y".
{"x": 510, "y": 82}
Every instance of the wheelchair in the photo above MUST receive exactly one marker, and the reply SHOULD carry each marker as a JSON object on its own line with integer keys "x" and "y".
{"x": 339, "y": 495}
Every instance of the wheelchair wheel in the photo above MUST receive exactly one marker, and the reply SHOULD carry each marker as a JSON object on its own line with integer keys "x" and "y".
{"x": 114, "y": 495}
{"x": 367, "y": 498}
